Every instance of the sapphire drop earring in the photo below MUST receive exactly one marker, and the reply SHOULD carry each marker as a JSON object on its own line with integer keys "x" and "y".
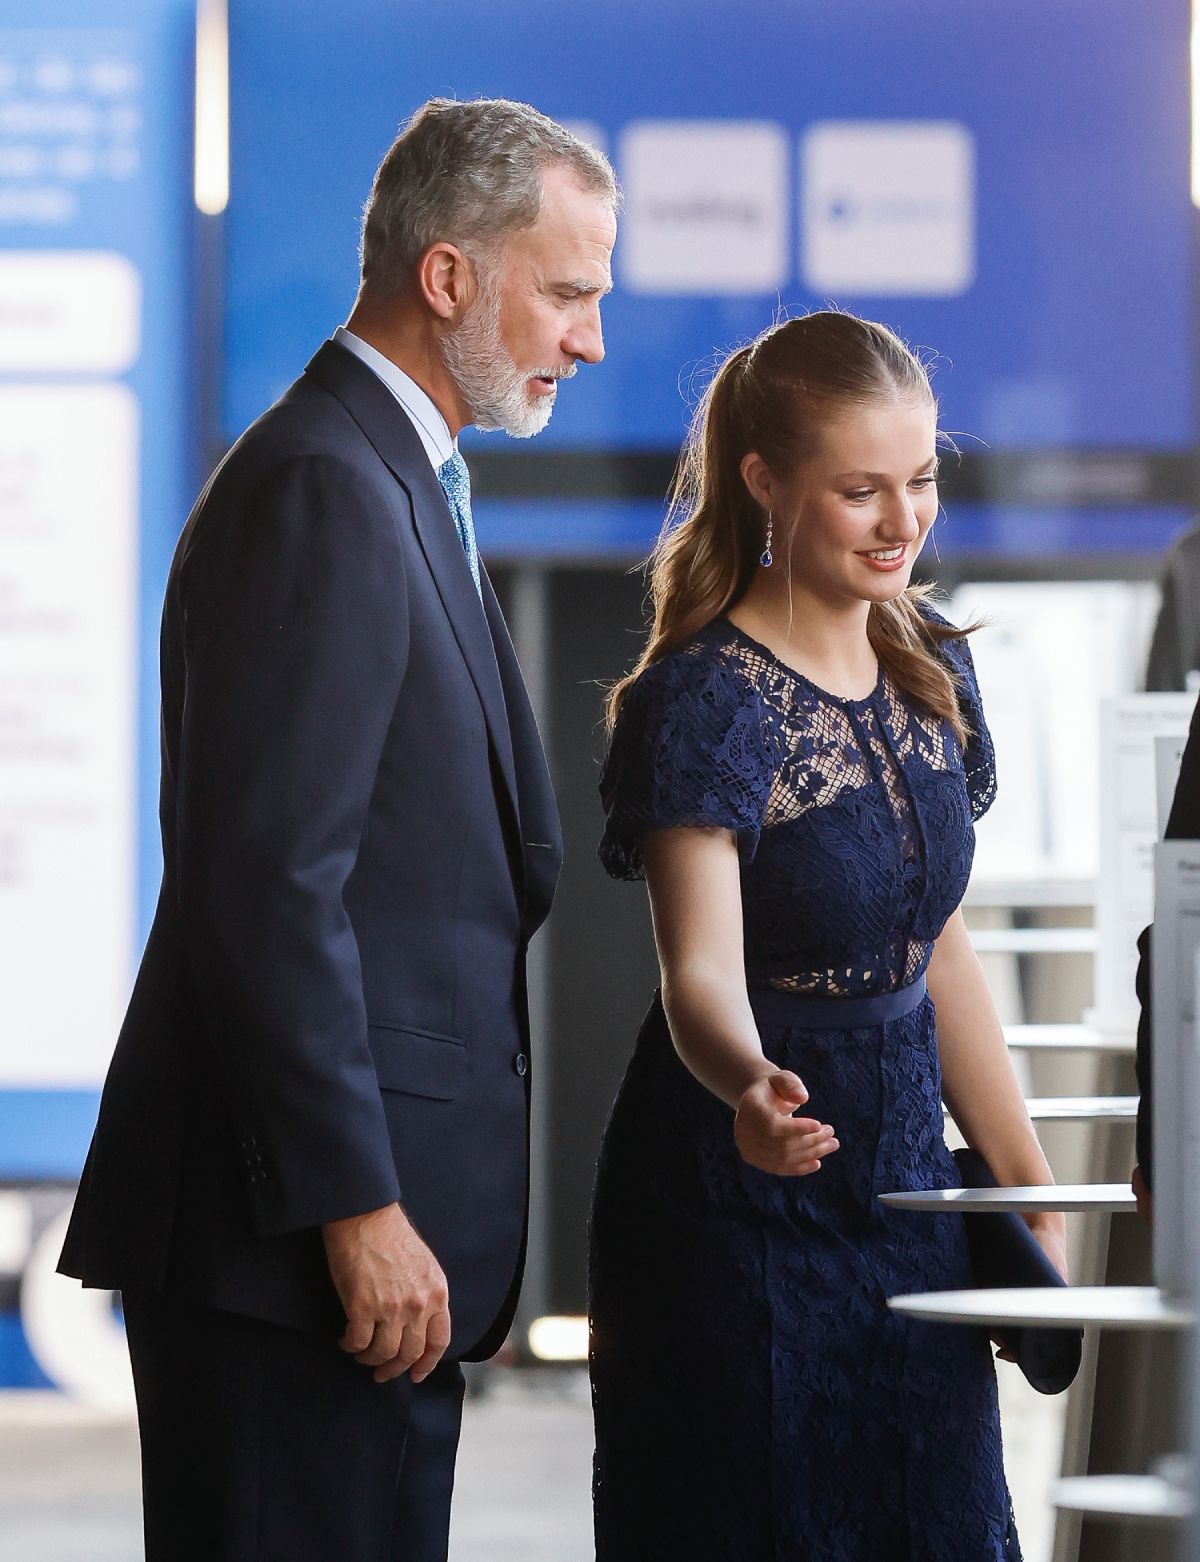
{"x": 766, "y": 558}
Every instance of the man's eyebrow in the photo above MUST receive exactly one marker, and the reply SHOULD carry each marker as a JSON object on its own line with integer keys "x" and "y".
{"x": 582, "y": 287}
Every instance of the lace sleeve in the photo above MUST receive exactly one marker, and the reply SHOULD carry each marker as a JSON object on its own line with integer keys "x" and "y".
{"x": 979, "y": 757}
{"x": 690, "y": 749}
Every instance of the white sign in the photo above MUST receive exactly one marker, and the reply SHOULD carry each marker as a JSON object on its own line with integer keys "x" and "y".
{"x": 1130, "y": 730}
{"x": 888, "y": 208}
{"x": 64, "y": 311}
{"x": 706, "y": 204}
{"x": 68, "y": 616}
{"x": 1046, "y": 658}
{"x": 71, "y": 122}
{"x": 1168, "y": 758}
{"x": 1176, "y": 1064}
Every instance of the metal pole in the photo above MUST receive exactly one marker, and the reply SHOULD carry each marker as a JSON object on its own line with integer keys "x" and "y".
{"x": 529, "y": 624}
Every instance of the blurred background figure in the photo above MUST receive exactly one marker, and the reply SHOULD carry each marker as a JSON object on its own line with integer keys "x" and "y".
{"x": 180, "y": 190}
{"x": 1174, "y": 659}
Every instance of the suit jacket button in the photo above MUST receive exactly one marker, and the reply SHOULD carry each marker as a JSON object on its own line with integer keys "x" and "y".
{"x": 521, "y": 1064}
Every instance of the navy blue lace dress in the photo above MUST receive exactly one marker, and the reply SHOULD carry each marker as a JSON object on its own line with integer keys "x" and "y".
{"x": 755, "y": 1400}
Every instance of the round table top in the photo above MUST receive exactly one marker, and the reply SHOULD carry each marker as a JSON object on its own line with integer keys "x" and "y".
{"x": 1034, "y": 940}
{"x": 1068, "y": 1307}
{"x": 1066, "y": 1038}
{"x": 1123, "y": 1496}
{"x": 1110, "y": 1196}
{"x": 1090, "y": 1109}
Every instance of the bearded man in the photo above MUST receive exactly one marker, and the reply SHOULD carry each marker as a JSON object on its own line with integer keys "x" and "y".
{"x": 309, "y": 1175}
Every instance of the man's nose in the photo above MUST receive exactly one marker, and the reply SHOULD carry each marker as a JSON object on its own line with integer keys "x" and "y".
{"x": 585, "y": 339}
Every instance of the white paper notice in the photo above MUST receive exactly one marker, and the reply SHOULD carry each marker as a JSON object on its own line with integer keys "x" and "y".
{"x": 1130, "y": 729}
{"x": 1046, "y": 657}
{"x": 1176, "y": 1066}
{"x": 68, "y": 615}
{"x": 1168, "y": 758}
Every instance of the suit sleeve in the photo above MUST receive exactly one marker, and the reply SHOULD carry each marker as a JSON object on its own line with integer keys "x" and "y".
{"x": 1164, "y": 663}
{"x": 1183, "y": 824}
{"x": 296, "y": 636}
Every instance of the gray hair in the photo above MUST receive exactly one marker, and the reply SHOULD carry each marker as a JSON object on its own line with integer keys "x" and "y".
{"x": 467, "y": 174}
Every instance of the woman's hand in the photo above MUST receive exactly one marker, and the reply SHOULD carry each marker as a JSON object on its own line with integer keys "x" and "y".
{"x": 769, "y": 1137}
{"x": 1051, "y": 1233}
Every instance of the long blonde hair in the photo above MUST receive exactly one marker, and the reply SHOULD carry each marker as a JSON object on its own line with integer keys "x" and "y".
{"x": 771, "y": 397}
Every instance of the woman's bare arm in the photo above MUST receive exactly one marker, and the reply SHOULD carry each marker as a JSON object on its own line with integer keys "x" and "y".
{"x": 696, "y": 901}
{"x": 978, "y": 1082}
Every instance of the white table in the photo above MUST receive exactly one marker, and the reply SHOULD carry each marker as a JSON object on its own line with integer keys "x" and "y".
{"x": 1082, "y": 1109}
{"x": 1034, "y": 940}
{"x": 1123, "y": 1497}
{"x": 1066, "y": 1038}
{"x": 1110, "y": 1197}
{"x": 1068, "y": 1307}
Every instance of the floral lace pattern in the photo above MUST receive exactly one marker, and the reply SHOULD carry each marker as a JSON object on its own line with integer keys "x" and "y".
{"x": 834, "y": 803}
{"x": 755, "y": 1398}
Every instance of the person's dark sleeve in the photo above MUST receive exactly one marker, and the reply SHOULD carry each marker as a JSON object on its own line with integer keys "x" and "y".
{"x": 296, "y": 644}
{"x": 1183, "y": 824}
{"x": 1142, "y": 1062}
{"x": 1164, "y": 664}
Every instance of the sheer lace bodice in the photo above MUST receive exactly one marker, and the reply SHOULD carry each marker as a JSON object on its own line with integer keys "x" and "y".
{"x": 853, "y": 817}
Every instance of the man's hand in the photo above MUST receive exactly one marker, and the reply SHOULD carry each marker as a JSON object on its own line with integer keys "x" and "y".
{"x": 1145, "y": 1199}
{"x": 769, "y": 1137}
{"x": 393, "y": 1292}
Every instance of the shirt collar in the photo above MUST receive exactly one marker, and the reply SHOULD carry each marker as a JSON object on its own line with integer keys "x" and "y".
{"x": 431, "y": 426}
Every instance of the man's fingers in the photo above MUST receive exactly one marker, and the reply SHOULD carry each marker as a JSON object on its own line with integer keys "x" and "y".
{"x": 437, "y": 1339}
{"x": 411, "y": 1351}
{"x": 358, "y": 1335}
{"x": 385, "y": 1343}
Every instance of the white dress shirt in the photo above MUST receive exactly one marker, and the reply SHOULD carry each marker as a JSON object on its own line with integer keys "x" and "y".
{"x": 431, "y": 426}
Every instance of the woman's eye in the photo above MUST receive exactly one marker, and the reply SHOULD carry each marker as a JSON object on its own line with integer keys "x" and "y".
{"x": 859, "y": 495}
{"x": 924, "y": 482}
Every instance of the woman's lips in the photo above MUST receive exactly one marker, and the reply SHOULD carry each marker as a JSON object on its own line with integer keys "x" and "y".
{"x": 886, "y": 566}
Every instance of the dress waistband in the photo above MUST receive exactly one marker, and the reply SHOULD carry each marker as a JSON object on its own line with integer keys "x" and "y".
{"x": 813, "y": 1011}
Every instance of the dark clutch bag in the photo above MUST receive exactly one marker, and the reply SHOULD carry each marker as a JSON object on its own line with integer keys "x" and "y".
{"x": 1005, "y": 1253}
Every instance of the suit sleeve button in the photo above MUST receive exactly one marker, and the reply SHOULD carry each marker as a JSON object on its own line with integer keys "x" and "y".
{"x": 521, "y": 1064}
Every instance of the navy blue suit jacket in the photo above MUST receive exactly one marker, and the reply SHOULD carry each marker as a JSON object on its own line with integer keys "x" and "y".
{"x": 359, "y": 839}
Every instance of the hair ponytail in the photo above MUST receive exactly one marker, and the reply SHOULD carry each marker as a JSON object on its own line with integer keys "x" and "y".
{"x": 769, "y": 396}
{"x": 703, "y": 560}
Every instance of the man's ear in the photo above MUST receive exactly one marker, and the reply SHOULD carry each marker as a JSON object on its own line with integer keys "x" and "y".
{"x": 447, "y": 281}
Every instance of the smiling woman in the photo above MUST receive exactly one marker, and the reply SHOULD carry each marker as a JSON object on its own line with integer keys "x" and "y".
{"x": 796, "y": 765}
{"x": 821, "y": 436}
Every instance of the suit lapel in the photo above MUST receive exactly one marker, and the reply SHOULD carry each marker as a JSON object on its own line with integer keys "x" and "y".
{"x": 541, "y": 831}
{"x": 386, "y": 425}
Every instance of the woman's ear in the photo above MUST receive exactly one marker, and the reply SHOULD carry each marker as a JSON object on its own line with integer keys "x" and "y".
{"x": 758, "y": 480}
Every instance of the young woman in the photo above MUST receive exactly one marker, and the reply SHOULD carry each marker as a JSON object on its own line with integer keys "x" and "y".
{"x": 795, "y": 766}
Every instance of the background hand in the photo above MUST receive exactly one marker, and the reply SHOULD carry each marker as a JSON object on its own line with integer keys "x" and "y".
{"x": 393, "y": 1292}
{"x": 770, "y": 1138}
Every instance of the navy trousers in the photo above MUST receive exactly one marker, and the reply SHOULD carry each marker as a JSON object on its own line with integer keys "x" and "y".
{"x": 266, "y": 1444}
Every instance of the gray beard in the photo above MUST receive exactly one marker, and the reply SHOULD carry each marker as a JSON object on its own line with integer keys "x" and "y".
{"x": 488, "y": 380}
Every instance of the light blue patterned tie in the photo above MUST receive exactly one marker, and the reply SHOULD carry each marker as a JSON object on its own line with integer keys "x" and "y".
{"x": 456, "y": 485}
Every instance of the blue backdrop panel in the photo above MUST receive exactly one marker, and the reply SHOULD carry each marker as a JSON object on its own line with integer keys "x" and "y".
{"x": 124, "y": 82}
{"x": 1075, "y": 331}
